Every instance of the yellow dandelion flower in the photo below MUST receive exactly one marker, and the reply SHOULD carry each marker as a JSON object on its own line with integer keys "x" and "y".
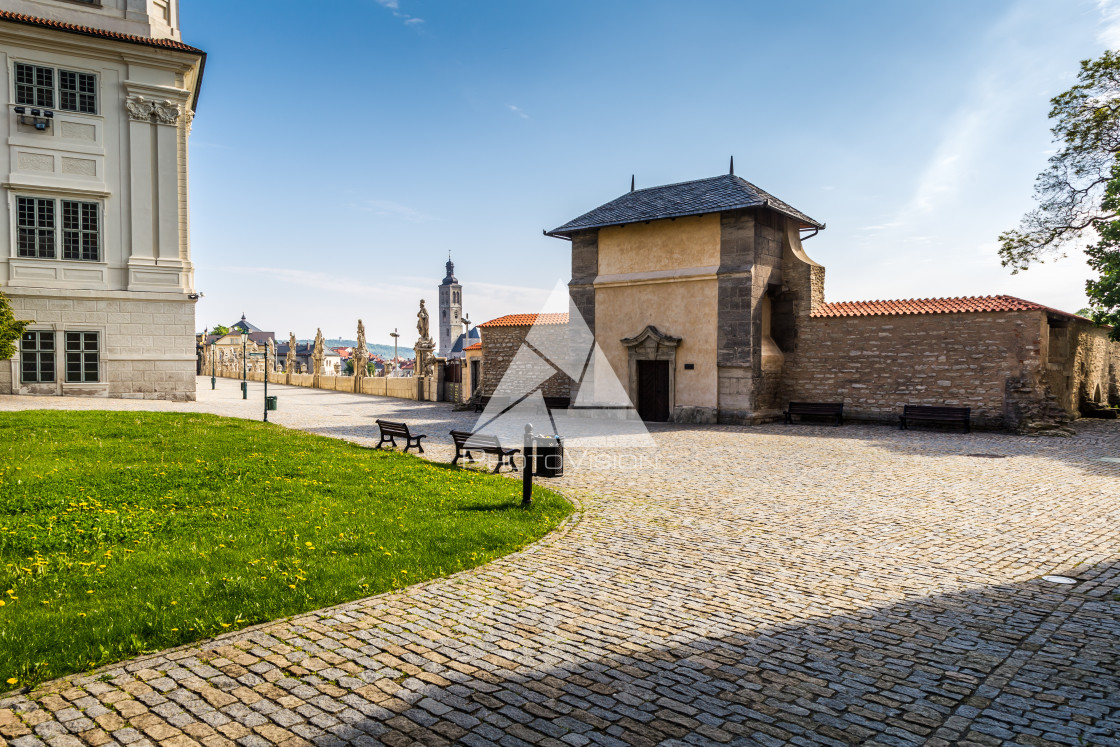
{"x": 12, "y": 680}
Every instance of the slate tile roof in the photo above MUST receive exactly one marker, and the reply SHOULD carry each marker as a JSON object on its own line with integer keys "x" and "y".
{"x": 713, "y": 195}
{"x": 966, "y": 304}
{"x": 526, "y": 320}
{"x": 7, "y": 15}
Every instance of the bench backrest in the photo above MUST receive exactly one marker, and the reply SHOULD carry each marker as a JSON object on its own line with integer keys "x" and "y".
{"x": 811, "y": 407}
{"x": 393, "y": 428}
{"x": 936, "y": 411}
{"x": 475, "y": 440}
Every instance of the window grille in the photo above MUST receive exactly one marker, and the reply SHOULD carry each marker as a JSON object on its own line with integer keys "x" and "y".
{"x": 35, "y": 227}
{"x": 34, "y": 85}
{"x": 36, "y": 356}
{"x": 82, "y": 357}
{"x": 80, "y": 236}
{"x": 77, "y": 92}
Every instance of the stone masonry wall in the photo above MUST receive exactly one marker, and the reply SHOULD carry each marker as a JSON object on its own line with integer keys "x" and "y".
{"x": 500, "y": 345}
{"x": 1080, "y": 364}
{"x": 877, "y": 364}
{"x": 147, "y": 344}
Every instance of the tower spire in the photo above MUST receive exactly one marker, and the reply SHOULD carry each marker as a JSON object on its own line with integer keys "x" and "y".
{"x": 732, "y": 165}
{"x": 631, "y": 182}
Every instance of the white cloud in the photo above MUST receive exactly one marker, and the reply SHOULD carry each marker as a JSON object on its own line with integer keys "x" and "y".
{"x": 518, "y": 111}
{"x": 1109, "y": 33}
{"x": 394, "y": 7}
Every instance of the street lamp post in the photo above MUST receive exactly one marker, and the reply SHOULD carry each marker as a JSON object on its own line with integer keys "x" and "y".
{"x": 213, "y": 366}
{"x": 266, "y": 384}
{"x": 244, "y": 366}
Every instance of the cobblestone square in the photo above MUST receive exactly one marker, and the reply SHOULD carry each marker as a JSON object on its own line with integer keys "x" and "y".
{"x": 744, "y": 585}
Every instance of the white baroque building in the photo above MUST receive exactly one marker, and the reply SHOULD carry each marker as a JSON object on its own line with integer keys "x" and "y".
{"x": 94, "y": 242}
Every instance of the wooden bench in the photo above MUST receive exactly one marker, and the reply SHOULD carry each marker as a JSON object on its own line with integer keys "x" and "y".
{"x": 824, "y": 409}
{"x": 938, "y": 414}
{"x": 391, "y": 430}
{"x": 466, "y": 442}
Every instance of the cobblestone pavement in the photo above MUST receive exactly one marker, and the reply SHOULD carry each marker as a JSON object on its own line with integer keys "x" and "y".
{"x": 767, "y": 585}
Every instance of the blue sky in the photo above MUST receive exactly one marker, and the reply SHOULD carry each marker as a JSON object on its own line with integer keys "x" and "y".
{"x": 338, "y": 156}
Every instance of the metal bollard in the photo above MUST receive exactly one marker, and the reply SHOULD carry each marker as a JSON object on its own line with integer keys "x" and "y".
{"x": 527, "y": 468}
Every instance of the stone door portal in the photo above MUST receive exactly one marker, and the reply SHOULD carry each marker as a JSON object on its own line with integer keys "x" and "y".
{"x": 653, "y": 391}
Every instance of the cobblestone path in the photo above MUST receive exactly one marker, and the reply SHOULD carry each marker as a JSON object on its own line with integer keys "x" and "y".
{"x": 769, "y": 585}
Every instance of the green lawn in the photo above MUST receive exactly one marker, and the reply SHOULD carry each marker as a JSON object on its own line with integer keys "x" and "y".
{"x": 122, "y": 532}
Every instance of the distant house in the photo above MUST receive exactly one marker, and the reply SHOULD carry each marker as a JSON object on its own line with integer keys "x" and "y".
{"x": 464, "y": 341}
{"x": 231, "y": 341}
{"x": 304, "y": 350}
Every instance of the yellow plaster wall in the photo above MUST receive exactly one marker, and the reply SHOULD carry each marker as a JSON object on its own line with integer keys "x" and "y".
{"x": 685, "y": 309}
{"x": 661, "y": 245}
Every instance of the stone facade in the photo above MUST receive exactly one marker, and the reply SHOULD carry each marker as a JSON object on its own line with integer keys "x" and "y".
{"x": 147, "y": 344}
{"x": 118, "y": 159}
{"x": 744, "y": 307}
{"x": 499, "y": 346}
{"x": 875, "y": 364}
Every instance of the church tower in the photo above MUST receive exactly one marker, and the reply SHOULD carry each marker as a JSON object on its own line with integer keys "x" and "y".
{"x": 450, "y": 311}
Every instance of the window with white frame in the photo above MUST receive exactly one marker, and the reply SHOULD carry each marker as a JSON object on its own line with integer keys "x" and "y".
{"x": 37, "y": 234}
{"x": 35, "y": 86}
{"x": 36, "y": 357}
{"x": 82, "y": 357}
{"x": 35, "y": 227}
{"x": 77, "y": 92}
{"x": 80, "y": 236}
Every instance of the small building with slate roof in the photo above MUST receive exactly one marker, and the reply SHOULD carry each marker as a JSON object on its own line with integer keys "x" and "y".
{"x": 682, "y": 285}
{"x": 702, "y": 299}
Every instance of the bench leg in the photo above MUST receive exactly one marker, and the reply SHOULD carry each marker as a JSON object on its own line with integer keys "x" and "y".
{"x": 457, "y": 455}
{"x": 902, "y": 422}
{"x": 789, "y": 418}
{"x": 839, "y": 420}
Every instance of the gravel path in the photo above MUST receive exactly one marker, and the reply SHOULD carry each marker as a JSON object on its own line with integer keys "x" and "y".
{"x": 765, "y": 585}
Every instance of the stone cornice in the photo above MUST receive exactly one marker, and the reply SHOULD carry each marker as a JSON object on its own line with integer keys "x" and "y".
{"x": 657, "y": 276}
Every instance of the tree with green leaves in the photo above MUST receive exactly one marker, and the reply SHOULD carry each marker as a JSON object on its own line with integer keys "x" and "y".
{"x": 10, "y": 328}
{"x": 1073, "y": 192}
{"x": 1104, "y": 258}
{"x": 219, "y": 329}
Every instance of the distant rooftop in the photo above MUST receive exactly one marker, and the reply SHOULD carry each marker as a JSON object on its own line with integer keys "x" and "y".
{"x": 713, "y": 195}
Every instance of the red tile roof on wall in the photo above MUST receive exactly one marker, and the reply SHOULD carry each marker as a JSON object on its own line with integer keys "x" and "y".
{"x": 967, "y": 304}
{"x": 526, "y": 320}
{"x": 7, "y": 15}
{"x": 476, "y": 346}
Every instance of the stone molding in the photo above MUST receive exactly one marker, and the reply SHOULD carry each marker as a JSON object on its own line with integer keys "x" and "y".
{"x": 165, "y": 112}
{"x": 651, "y": 344}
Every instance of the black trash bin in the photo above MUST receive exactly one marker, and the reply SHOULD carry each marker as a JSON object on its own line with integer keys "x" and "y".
{"x": 549, "y": 455}
{"x": 270, "y": 404}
